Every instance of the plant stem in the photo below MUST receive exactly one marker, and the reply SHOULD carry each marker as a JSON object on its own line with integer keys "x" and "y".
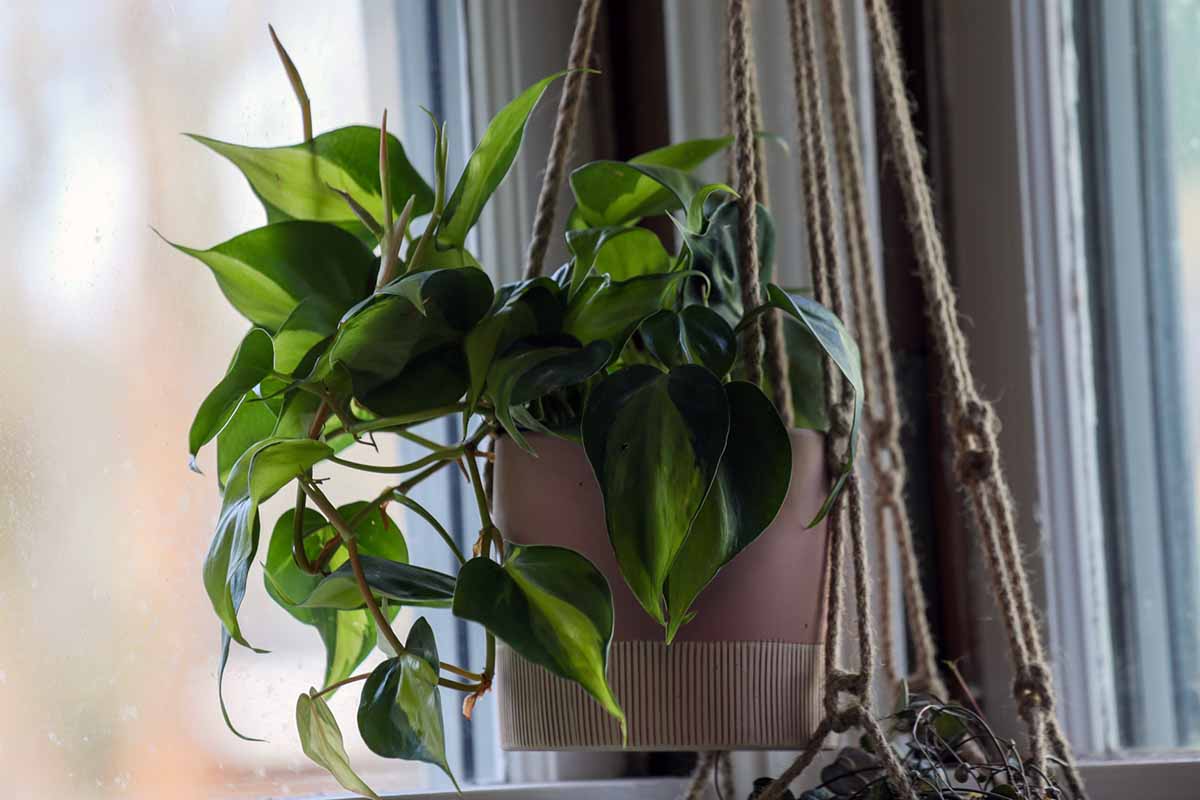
{"x": 444, "y": 454}
{"x": 469, "y": 688}
{"x": 475, "y": 676}
{"x": 344, "y": 530}
{"x": 383, "y": 423}
{"x": 321, "y": 563}
{"x": 299, "y": 553}
{"x": 408, "y": 502}
{"x": 428, "y": 444}
{"x": 342, "y": 683}
{"x": 489, "y": 528}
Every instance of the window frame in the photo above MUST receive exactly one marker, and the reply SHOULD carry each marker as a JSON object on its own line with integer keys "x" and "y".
{"x": 1017, "y": 219}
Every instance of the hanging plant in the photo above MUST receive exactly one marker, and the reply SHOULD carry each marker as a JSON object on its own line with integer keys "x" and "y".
{"x": 367, "y": 319}
{"x": 948, "y": 752}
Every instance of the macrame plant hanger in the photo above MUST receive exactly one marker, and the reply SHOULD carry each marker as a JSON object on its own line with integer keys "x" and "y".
{"x": 976, "y": 446}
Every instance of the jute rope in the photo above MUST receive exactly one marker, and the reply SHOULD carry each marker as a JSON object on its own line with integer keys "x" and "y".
{"x": 879, "y": 374}
{"x": 565, "y": 122}
{"x": 976, "y": 430}
{"x": 746, "y": 177}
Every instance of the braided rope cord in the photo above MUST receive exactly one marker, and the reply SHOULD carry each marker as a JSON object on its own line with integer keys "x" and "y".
{"x": 879, "y": 374}
{"x": 976, "y": 443}
{"x": 565, "y": 122}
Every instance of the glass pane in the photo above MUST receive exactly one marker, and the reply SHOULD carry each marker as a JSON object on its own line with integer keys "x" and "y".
{"x": 108, "y": 341}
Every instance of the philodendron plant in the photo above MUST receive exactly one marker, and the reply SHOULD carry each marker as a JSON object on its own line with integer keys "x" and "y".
{"x": 367, "y": 320}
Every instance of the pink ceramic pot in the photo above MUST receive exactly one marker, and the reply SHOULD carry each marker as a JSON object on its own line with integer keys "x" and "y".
{"x": 744, "y": 674}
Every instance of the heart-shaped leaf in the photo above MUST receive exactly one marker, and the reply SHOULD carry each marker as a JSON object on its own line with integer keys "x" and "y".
{"x": 714, "y": 253}
{"x": 298, "y": 182}
{"x": 695, "y": 335}
{"x": 489, "y": 164}
{"x": 251, "y": 363}
{"x": 831, "y": 335}
{"x": 321, "y": 739}
{"x": 414, "y": 315}
{"x": 654, "y": 440}
{"x": 607, "y": 310}
{"x": 259, "y": 473}
{"x": 751, "y": 484}
{"x": 250, "y": 424}
{"x": 348, "y": 636}
{"x": 310, "y": 323}
{"x": 265, "y": 273}
{"x": 403, "y": 584}
{"x": 551, "y": 606}
{"x": 528, "y": 308}
{"x": 611, "y": 193}
{"x": 618, "y": 253}
{"x": 400, "y": 711}
{"x": 525, "y": 375}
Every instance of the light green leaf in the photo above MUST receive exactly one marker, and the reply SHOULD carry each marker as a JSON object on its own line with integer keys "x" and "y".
{"x": 321, "y": 739}
{"x": 251, "y": 363}
{"x": 404, "y": 584}
{"x": 618, "y": 253}
{"x": 258, "y": 474}
{"x": 831, "y": 335}
{"x": 751, "y": 484}
{"x": 250, "y": 424}
{"x": 489, "y": 164}
{"x": 400, "y": 711}
{"x": 611, "y": 193}
{"x": 654, "y": 441}
{"x": 695, "y": 335}
{"x": 348, "y": 636}
{"x": 298, "y": 182}
{"x": 309, "y": 324}
{"x": 551, "y": 606}
{"x": 607, "y": 310}
{"x": 265, "y": 273}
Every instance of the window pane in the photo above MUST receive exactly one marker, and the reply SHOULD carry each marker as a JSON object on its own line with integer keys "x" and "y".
{"x": 1141, "y": 93}
{"x": 109, "y": 339}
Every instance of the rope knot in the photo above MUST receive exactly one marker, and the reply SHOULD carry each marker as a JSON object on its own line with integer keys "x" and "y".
{"x": 976, "y": 419}
{"x": 888, "y": 485}
{"x": 1031, "y": 688}
{"x": 974, "y": 466}
{"x": 847, "y": 718}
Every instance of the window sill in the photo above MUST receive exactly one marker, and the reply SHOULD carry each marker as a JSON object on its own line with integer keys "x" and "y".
{"x": 640, "y": 788}
{"x": 1153, "y": 776}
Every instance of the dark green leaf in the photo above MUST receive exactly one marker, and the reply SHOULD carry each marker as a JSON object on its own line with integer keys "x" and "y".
{"x": 752, "y": 481}
{"x": 431, "y": 380}
{"x": 714, "y": 253}
{"x": 321, "y": 739}
{"x": 297, "y": 182}
{"x": 695, "y": 335}
{"x": 400, "y": 711}
{"x": 835, "y": 340}
{"x": 265, "y": 273}
{"x": 525, "y": 309}
{"x": 654, "y": 440}
{"x": 489, "y": 164}
{"x": 806, "y": 373}
{"x": 259, "y": 473}
{"x": 405, "y": 584}
{"x": 411, "y": 316}
{"x": 527, "y": 374}
{"x": 612, "y": 193}
{"x": 551, "y": 606}
{"x": 610, "y": 311}
{"x": 251, "y": 363}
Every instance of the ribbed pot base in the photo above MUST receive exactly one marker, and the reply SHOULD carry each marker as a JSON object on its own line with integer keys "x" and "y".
{"x": 689, "y": 696}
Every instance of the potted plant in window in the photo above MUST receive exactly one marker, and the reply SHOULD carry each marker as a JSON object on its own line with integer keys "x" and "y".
{"x": 367, "y": 320}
